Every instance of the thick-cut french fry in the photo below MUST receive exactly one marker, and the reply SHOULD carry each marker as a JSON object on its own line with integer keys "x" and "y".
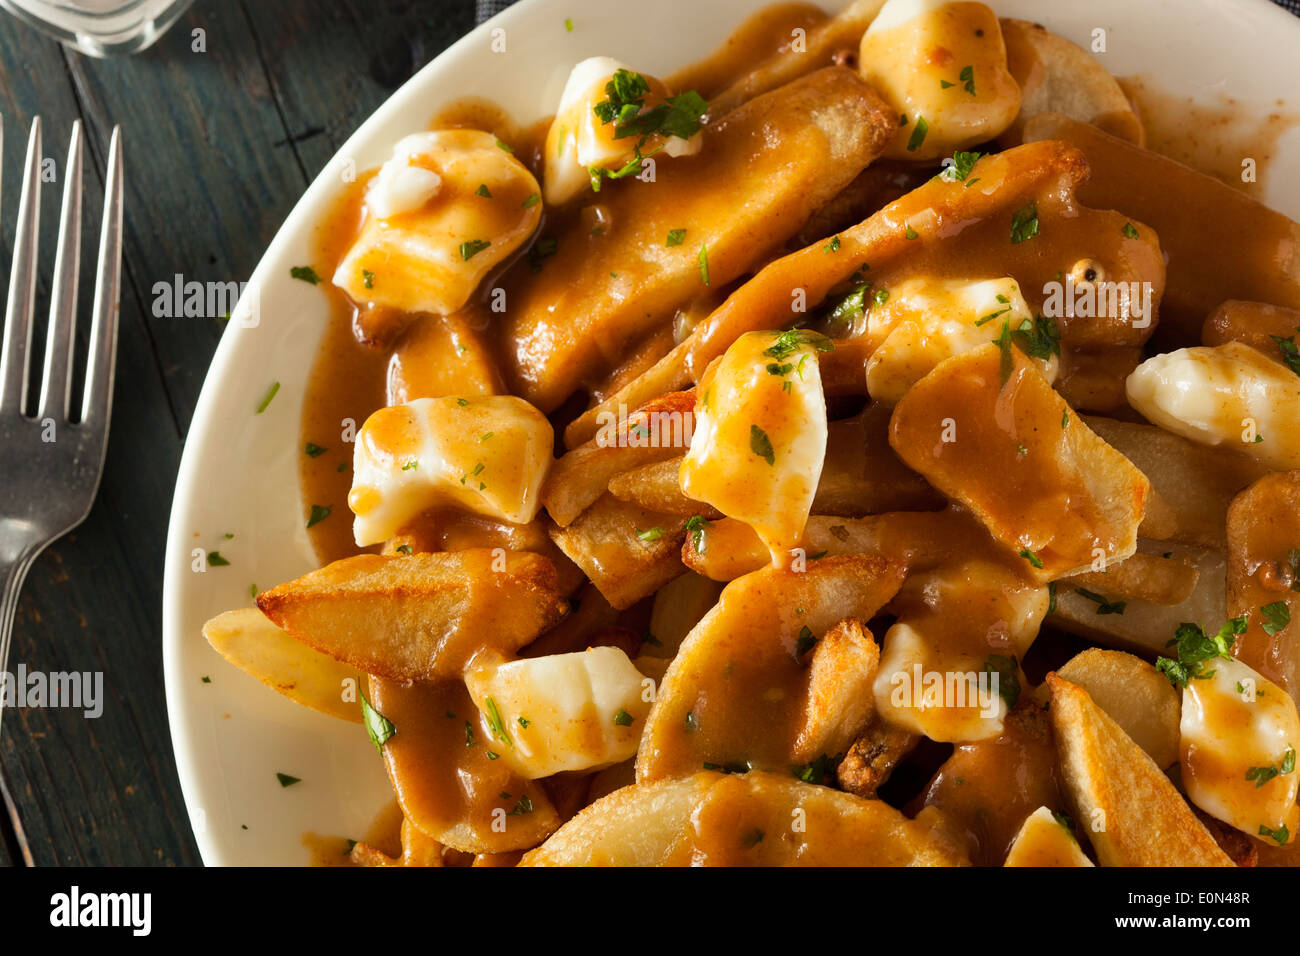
{"x": 1044, "y": 840}
{"x": 589, "y": 613}
{"x": 1093, "y": 380}
{"x": 873, "y": 757}
{"x": 1263, "y": 571}
{"x": 422, "y": 616}
{"x": 1255, "y": 253}
{"x": 1126, "y": 805}
{"x": 626, "y": 551}
{"x": 1135, "y": 695}
{"x": 745, "y": 666}
{"x": 443, "y": 355}
{"x": 658, "y": 487}
{"x": 726, "y": 549}
{"x": 1196, "y": 482}
{"x": 767, "y": 166}
{"x": 439, "y": 742}
{"x": 1056, "y": 76}
{"x": 1139, "y": 626}
{"x": 678, "y": 607}
{"x": 1141, "y": 577}
{"x": 664, "y": 377}
{"x": 713, "y": 819}
{"x": 986, "y": 429}
{"x": 844, "y": 664}
{"x": 658, "y": 430}
{"x": 248, "y": 639}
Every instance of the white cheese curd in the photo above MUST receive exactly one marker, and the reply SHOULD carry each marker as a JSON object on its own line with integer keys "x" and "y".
{"x": 546, "y": 715}
{"x": 488, "y": 454}
{"x": 926, "y": 320}
{"x": 1228, "y": 395}
{"x": 578, "y": 140}
{"x": 1239, "y": 734}
{"x": 760, "y": 435}
{"x": 449, "y": 207}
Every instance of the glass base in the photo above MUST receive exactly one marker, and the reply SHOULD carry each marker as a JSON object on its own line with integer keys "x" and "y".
{"x": 100, "y": 28}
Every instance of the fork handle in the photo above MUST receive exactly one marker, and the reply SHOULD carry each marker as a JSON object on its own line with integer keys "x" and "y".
{"x": 13, "y": 566}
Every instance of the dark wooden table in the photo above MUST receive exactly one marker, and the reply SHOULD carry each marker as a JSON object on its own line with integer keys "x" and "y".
{"x": 219, "y": 146}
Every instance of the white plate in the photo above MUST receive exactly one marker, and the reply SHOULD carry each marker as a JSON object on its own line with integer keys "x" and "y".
{"x": 239, "y": 474}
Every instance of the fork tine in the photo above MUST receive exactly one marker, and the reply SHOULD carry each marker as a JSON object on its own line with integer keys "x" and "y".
{"x": 98, "y": 398}
{"x": 56, "y": 383}
{"x": 22, "y": 283}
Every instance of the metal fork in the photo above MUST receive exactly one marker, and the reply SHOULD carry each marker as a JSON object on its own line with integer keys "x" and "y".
{"x": 51, "y": 463}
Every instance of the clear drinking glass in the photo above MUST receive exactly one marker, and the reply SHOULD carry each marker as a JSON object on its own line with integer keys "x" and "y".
{"x": 100, "y": 27}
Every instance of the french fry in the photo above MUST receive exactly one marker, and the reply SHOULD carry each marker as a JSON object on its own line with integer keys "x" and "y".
{"x": 678, "y": 607}
{"x": 439, "y": 741}
{"x": 719, "y": 820}
{"x": 1196, "y": 482}
{"x": 589, "y": 613}
{"x": 1129, "y": 809}
{"x": 1142, "y": 627}
{"x": 987, "y": 430}
{"x": 1056, "y": 76}
{"x": 658, "y": 430}
{"x": 248, "y": 639}
{"x": 626, "y": 551}
{"x": 1045, "y": 841}
{"x": 443, "y": 355}
{"x": 746, "y": 665}
{"x": 1135, "y": 695}
{"x": 1264, "y": 327}
{"x": 844, "y": 664}
{"x": 667, "y": 375}
{"x": 657, "y": 486}
{"x": 873, "y": 757}
{"x": 1263, "y": 569}
{"x": 422, "y": 616}
{"x": 417, "y": 850}
{"x": 1141, "y": 577}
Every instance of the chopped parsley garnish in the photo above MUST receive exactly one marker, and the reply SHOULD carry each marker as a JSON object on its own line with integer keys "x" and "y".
{"x": 206, "y": 679}
{"x": 523, "y": 722}
{"x": 881, "y": 296}
{"x": 215, "y": 560}
{"x": 1290, "y": 353}
{"x": 1104, "y": 606}
{"x": 1065, "y": 421}
{"x": 910, "y": 233}
{"x": 1276, "y": 617}
{"x": 850, "y": 307}
{"x": 986, "y": 319}
{"x": 832, "y": 246}
{"x": 703, "y": 259}
{"x": 962, "y": 163}
{"x": 1024, "y": 223}
{"x": 1008, "y": 362}
{"x": 472, "y": 247}
{"x": 1130, "y": 231}
{"x": 1280, "y": 835}
{"x": 314, "y": 451}
{"x": 505, "y": 147}
{"x": 367, "y": 278}
{"x": 478, "y": 469}
{"x": 403, "y": 549}
{"x": 411, "y": 465}
{"x": 532, "y": 200}
{"x": 816, "y": 771}
{"x": 1051, "y": 597}
{"x": 761, "y": 445}
{"x": 286, "y": 780}
{"x": 622, "y": 718}
{"x": 497, "y": 725}
{"x": 318, "y": 514}
{"x": 918, "y": 134}
{"x": 266, "y": 399}
{"x": 1195, "y": 647}
{"x": 1028, "y": 555}
{"x": 1261, "y": 775}
{"x": 469, "y": 734}
{"x": 1008, "y": 671}
{"x": 944, "y": 84}
{"x": 483, "y": 191}
{"x": 542, "y": 249}
{"x": 524, "y": 805}
{"x": 1040, "y": 339}
{"x": 650, "y": 534}
{"x": 804, "y": 642}
{"x": 305, "y": 274}
{"x": 624, "y": 106}
{"x": 792, "y": 340}
{"x": 696, "y": 525}
{"x": 676, "y": 237}
{"x": 379, "y": 727}
{"x": 967, "y": 77}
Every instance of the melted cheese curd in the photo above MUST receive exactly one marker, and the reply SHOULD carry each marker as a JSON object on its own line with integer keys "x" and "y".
{"x": 892, "y": 479}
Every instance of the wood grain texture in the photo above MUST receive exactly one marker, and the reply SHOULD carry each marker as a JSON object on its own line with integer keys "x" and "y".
{"x": 219, "y": 146}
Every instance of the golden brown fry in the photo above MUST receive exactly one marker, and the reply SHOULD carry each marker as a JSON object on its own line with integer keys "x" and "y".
{"x": 664, "y": 377}
{"x": 417, "y": 850}
{"x": 737, "y": 693}
{"x": 987, "y": 430}
{"x": 767, "y": 166}
{"x": 626, "y": 551}
{"x": 1044, "y": 840}
{"x": 658, "y": 487}
{"x": 1256, "y": 252}
{"x": 1056, "y": 76}
{"x": 840, "y": 703}
{"x": 254, "y": 644}
{"x": 589, "y": 613}
{"x": 1126, "y": 805}
{"x": 658, "y": 430}
{"x": 873, "y": 757}
{"x": 1141, "y": 577}
{"x": 1263, "y": 535}
{"x": 1256, "y": 324}
{"x": 710, "y": 819}
{"x": 1196, "y": 482}
{"x": 422, "y": 616}
{"x": 1135, "y": 695}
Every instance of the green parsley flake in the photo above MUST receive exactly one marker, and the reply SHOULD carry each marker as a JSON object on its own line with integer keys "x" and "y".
{"x": 472, "y": 247}
{"x": 379, "y": 727}
{"x": 318, "y": 514}
{"x": 918, "y": 134}
{"x": 305, "y": 274}
{"x": 266, "y": 400}
{"x": 1024, "y": 223}
{"x": 761, "y": 445}
{"x": 676, "y": 237}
